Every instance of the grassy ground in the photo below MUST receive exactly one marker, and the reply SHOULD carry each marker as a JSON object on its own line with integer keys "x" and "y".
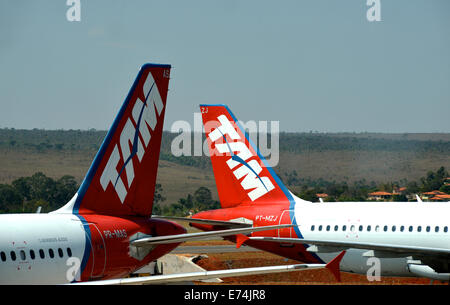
{"x": 177, "y": 180}
{"x": 384, "y": 166}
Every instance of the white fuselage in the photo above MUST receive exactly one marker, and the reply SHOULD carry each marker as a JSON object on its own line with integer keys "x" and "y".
{"x": 417, "y": 224}
{"x": 40, "y": 248}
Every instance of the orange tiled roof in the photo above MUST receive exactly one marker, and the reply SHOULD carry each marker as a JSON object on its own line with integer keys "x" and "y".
{"x": 436, "y": 198}
{"x": 435, "y": 192}
{"x": 440, "y": 197}
{"x": 380, "y": 193}
{"x": 322, "y": 195}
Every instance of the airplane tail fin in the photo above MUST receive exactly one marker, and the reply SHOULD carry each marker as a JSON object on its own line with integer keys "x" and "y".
{"x": 241, "y": 172}
{"x": 121, "y": 180}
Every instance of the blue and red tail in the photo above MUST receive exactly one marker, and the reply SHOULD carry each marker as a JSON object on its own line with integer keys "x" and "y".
{"x": 241, "y": 172}
{"x": 121, "y": 180}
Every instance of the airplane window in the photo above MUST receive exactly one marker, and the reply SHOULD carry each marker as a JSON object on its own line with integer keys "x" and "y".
{"x": 336, "y": 228}
{"x": 393, "y": 228}
{"x": 344, "y": 228}
{"x": 3, "y": 256}
{"x": 445, "y": 229}
{"x": 410, "y": 228}
{"x": 436, "y": 229}
{"x": 360, "y": 228}
{"x": 60, "y": 252}
{"x": 13, "y": 255}
{"x": 402, "y": 228}
{"x": 369, "y": 228}
{"x": 41, "y": 253}
{"x": 320, "y": 228}
{"x": 51, "y": 253}
{"x": 22, "y": 255}
{"x": 377, "y": 229}
{"x": 428, "y": 228}
{"x": 328, "y": 228}
{"x": 385, "y": 228}
{"x": 69, "y": 252}
{"x": 352, "y": 228}
{"x": 419, "y": 229}
{"x": 32, "y": 254}
{"x": 312, "y": 228}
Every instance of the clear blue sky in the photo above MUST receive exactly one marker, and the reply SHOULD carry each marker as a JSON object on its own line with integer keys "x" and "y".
{"x": 311, "y": 64}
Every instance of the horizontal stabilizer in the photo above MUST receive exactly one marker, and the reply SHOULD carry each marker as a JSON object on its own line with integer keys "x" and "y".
{"x": 230, "y": 224}
{"x": 179, "y": 238}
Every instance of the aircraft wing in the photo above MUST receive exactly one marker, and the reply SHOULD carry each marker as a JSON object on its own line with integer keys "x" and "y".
{"x": 178, "y": 238}
{"x": 333, "y": 266}
{"x": 379, "y": 248}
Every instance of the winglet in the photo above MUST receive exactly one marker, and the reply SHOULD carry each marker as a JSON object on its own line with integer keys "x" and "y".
{"x": 333, "y": 266}
{"x": 240, "y": 239}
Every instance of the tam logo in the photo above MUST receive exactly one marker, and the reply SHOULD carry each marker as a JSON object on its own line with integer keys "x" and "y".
{"x": 143, "y": 122}
{"x": 250, "y": 170}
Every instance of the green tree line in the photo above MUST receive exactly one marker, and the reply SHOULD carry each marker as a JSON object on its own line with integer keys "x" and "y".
{"x": 359, "y": 190}
{"x": 26, "y": 194}
{"x": 201, "y": 200}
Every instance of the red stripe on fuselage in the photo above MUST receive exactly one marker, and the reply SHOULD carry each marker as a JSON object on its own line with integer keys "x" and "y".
{"x": 114, "y": 234}
{"x": 261, "y": 215}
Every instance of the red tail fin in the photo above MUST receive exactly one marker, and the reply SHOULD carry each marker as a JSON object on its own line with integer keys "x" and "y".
{"x": 121, "y": 179}
{"x": 242, "y": 174}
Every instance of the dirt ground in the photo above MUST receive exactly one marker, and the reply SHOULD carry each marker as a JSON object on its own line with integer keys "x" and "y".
{"x": 216, "y": 261}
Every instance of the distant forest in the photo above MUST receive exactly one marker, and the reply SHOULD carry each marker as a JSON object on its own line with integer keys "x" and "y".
{"x": 40, "y": 140}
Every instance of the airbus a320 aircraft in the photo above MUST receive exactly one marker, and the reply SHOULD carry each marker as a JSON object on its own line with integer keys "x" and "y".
{"x": 105, "y": 232}
{"x": 407, "y": 238}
